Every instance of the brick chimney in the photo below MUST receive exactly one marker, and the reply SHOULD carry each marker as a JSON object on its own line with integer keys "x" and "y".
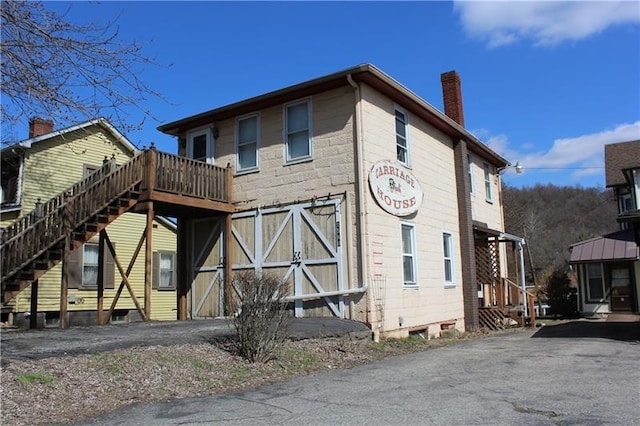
{"x": 452, "y": 96}
{"x": 39, "y": 126}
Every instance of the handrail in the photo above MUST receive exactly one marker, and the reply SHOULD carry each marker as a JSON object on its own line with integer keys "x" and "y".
{"x": 511, "y": 283}
{"x": 54, "y": 203}
{"x": 530, "y": 299}
{"x": 50, "y": 222}
{"x": 58, "y": 216}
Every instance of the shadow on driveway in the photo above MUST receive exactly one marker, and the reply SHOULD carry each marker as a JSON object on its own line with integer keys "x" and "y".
{"x": 624, "y": 331}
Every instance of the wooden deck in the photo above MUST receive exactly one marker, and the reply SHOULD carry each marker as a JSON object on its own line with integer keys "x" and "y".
{"x": 152, "y": 182}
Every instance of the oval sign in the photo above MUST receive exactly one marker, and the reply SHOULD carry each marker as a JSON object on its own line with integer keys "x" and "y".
{"x": 395, "y": 188}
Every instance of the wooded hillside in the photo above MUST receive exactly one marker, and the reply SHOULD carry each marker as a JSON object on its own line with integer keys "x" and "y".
{"x": 551, "y": 218}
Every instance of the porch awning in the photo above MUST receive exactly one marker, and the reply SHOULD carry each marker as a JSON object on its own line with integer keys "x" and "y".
{"x": 619, "y": 245}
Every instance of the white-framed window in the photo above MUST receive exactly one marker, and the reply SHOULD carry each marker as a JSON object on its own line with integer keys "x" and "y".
{"x": 447, "y": 250}
{"x": 90, "y": 255}
{"x": 625, "y": 202}
{"x": 402, "y": 136}
{"x": 470, "y": 172}
{"x": 595, "y": 282}
{"x": 409, "y": 278}
{"x": 247, "y": 142}
{"x": 487, "y": 183}
{"x": 200, "y": 145}
{"x": 164, "y": 270}
{"x": 298, "y": 132}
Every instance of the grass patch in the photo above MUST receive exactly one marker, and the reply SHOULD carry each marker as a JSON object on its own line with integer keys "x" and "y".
{"x": 240, "y": 372}
{"x": 28, "y": 379}
{"x": 203, "y": 365}
{"x": 295, "y": 361}
{"x": 112, "y": 363}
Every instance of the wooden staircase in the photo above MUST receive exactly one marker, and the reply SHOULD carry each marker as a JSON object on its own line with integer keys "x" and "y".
{"x": 35, "y": 243}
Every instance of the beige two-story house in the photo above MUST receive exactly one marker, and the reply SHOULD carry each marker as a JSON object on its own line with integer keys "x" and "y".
{"x": 371, "y": 203}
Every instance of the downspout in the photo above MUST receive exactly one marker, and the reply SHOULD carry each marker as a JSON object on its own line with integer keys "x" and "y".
{"x": 362, "y": 211}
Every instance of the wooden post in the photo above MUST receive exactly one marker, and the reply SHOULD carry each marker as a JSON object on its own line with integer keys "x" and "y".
{"x": 228, "y": 264}
{"x": 68, "y": 224}
{"x": 33, "y": 319}
{"x": 532, "y": 311}
{"x": 151, "y": 170}
{"x": 228, "y": 261}
{"x": 184, "y": 275}
{"x": 100, "y": 286}
{"x": 148, "y": 257}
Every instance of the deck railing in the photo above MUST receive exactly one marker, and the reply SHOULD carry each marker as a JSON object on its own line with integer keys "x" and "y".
{"x": 187, "y": 177}
{"x": 50, "y": 222}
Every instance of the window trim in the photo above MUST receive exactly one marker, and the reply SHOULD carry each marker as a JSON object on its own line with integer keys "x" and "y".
{"x": 488, "y": 185}
{"x": 285, "y": 131}
{"x": 413, "y": 254}
{"x": 602, "y": 283}
{"x": 6, "y": 207}
{"x": 450, "y": 258}
{"x": 402, "y": 111}
{"x": 156, "y": 282}
{"x": 239, "y": 169}
{"x": 84, "y": 263}
{"x": 210, "y": 147}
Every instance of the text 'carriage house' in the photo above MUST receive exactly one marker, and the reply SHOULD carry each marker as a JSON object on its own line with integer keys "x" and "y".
{"x": 369, "y": 202}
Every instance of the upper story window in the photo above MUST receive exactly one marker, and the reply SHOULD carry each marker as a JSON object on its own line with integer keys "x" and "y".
{"x": 447, "y": 248}
{"x": 487, "y": 183}
{"x": 298, "y": 131}
{"x": 247, "y": 143}
{"x": 200, "y": 145}
{"x": 409, "y": 255}
{"x": 402, "y": 142}
{"x": 470, "y": 172}
{"x": 11, "y": 180}
{"x": 625, "y": 202}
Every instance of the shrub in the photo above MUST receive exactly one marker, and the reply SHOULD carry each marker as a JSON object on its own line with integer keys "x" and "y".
{"x": 260, "y": 324}
{"x": 561, "y": 295}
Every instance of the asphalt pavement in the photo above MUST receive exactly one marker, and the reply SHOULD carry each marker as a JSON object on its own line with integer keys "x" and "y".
{"x": 546, "y": 376}
{"x": 38, "y": 344}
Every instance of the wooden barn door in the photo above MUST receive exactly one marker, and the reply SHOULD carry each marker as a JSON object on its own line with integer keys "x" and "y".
{"x": 207, "y": 288}
{"x": 300, "y": 244}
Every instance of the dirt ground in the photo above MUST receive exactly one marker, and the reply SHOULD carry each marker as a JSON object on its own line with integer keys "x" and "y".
{"x": 65, "y": 376}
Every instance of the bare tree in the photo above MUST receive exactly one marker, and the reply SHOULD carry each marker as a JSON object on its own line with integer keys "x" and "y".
{"x": 68, "y": 72}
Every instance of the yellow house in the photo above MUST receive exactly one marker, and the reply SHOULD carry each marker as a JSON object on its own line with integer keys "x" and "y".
{"x": 47, "y": 164}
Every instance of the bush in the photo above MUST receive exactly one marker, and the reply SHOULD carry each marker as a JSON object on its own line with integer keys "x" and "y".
{"x": 561, "y": 295}
{"x": 260, "y": 324}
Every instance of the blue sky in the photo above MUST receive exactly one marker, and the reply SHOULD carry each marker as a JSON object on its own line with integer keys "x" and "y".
{"x": 545, "y": 84}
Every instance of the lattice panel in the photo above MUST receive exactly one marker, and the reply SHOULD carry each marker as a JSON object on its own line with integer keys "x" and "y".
{"x": 483, "y": 261}
{"x": 487, "y": 260}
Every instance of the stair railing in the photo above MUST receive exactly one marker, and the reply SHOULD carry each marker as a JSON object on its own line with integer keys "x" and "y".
{"x": 41, "y": 229}
{"x": 529, "y": 298}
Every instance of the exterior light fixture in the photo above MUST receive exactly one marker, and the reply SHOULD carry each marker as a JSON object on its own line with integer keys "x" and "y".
{"x": 518, "y": 168}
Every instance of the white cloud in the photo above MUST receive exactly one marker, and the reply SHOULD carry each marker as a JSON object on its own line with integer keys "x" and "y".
{"x": 545, "y": 23}
{"x": 583, "y": 153}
